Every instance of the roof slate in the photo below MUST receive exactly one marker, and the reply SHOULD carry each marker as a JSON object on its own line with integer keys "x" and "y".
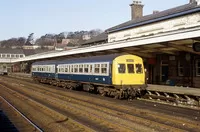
{"x": 101, "y": 37}
{"x": 161, "y": 14}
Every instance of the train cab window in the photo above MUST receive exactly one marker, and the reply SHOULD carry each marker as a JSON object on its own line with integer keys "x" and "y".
{"x": 97, "y": 68}
{"x": 130, "y": 68}
{"x": 104, "y": 68}
{"x": 121, "y": 68}
{"x": 138, "y": 68}
{"x": 86, "y": 68}
{"x": 75, "y": 68}
{"x": 81, "y": 68}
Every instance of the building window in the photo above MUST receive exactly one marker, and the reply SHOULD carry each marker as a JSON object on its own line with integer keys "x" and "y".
{"x": 198, "y": 67}
{"x": 180, "y": 68}
{"x": 121, "y": 68}
{"x": 8, "y": 55}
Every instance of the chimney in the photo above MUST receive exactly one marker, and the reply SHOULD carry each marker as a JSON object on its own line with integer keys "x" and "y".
{"x": 192, "y": 1}
{"x": 136, "y": 9}
{"x": 195, "y": 1}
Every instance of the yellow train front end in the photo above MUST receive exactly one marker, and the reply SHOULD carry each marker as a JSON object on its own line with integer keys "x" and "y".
{"x": 128, "y": 74}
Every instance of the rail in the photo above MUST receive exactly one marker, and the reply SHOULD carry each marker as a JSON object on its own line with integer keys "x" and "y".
{"x": 34, "y": 125}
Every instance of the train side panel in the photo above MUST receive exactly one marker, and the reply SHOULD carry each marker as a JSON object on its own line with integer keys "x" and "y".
{"x": 86, "y": 78}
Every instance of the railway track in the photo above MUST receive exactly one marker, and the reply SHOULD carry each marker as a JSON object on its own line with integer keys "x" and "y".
{"x": 101, "y": 114}
{"x": 18, "y": 121}
{"x": 179, "y": 100}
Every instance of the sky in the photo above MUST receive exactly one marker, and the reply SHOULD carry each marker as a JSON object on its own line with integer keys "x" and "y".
{"x": 19, "y": 18}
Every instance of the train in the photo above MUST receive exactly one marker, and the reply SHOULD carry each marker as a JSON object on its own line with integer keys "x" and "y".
{"x": 117, "y": 75}
{"x": 3, "y": 70}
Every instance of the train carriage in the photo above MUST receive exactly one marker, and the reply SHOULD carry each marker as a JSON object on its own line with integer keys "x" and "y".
{"x": 3, "y": 69}
{"x": 119, "y": 75}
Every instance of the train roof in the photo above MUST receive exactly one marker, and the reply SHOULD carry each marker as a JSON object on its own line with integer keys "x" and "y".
{"x": 102, "y": 58}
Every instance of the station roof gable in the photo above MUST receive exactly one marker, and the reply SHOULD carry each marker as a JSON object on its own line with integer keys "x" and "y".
{"x": 163, "y": 15}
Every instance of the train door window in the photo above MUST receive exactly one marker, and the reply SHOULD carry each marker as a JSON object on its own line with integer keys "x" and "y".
{"x": 86, "y": 67}
{"x": 138, "y": 68}
{"x": 81, "y": 68}
{"x": 104, "y": 68}
{"x": 121, "y": 68}
{"x": 8, "y": 55}
{"x": 3, "y": 55}
{"x": 130, "y": 68}
{"x": 75, "y": 68}
{"x": 97, "y": 68}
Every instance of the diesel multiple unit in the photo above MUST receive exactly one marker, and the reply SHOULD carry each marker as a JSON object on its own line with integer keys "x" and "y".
{"x": 118, "y": 75}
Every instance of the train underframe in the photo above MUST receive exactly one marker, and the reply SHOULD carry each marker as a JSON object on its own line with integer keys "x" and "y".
{"x": 118, "y": 92}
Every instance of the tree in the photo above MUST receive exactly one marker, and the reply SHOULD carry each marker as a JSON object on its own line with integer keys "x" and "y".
{"x": 30, "y": 39}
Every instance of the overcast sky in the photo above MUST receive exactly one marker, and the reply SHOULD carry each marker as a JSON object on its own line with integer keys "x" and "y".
{"x": 22, "y": 17}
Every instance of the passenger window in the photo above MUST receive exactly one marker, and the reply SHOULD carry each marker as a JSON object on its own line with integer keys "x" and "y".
{"x": 81, "y": 68}
{"x": 72, "y": 68}
{"x": 130, "y": 68}
{"x": 138, "y": 68}
{"x": 66, "y": 69}
{"x": 121, "y": 68}
{"x": 97, "y": 68}
{"x": 75, "y": 68}
{"x": 86, "y": 68}
{"x": 104, "y": 68}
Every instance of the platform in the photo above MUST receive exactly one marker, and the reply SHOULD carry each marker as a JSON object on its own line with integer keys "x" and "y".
{"x": 174, "y": 89}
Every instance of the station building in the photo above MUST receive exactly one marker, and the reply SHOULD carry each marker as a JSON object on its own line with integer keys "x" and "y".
{"x": 171, "y": 63}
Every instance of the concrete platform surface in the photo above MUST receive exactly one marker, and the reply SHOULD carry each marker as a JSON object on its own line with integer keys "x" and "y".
{"x": 174, "y": 89}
